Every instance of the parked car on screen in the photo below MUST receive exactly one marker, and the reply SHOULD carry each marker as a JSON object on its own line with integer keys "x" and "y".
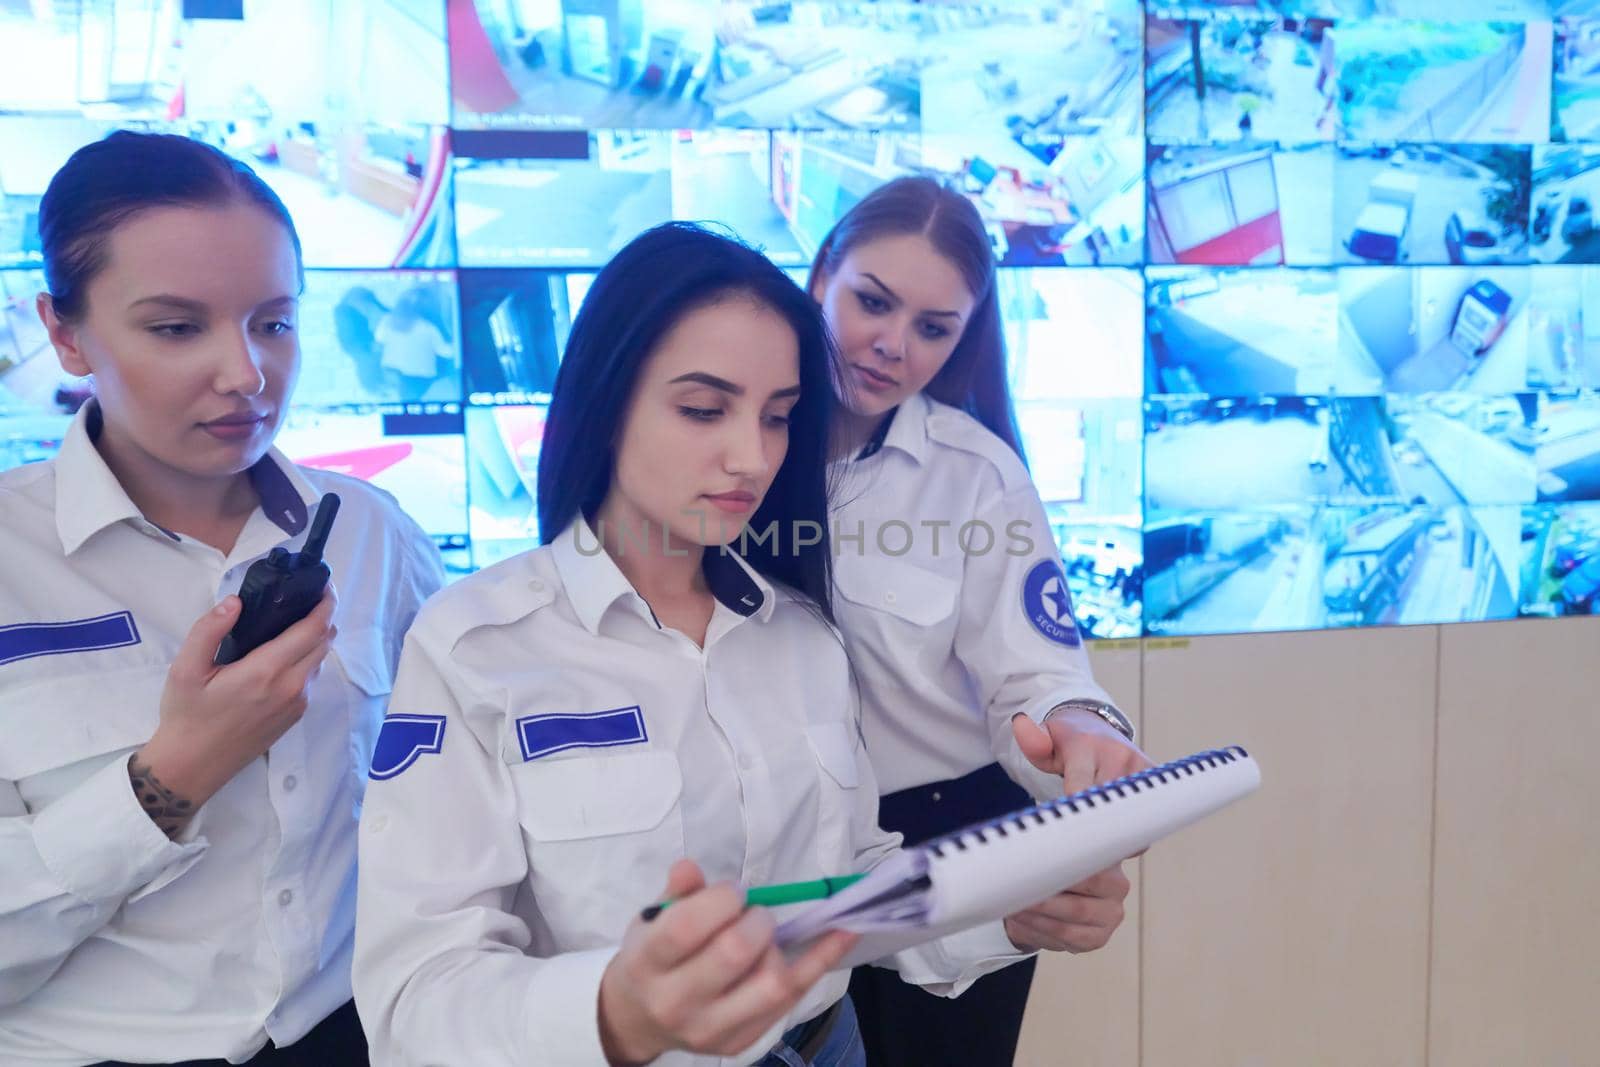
{"x": 1472, "y": 239}
{"x": 1580, "y": 587}
{"x": 1409, "y": 453}
{"x": 1379, "y": 235}
{"x": 1318, "y": 460}
{"x": 1570, "y": 556}
{"x": 1579, "y": 222}
{"x": 1453, "y": 404}
{"x": 1497, "y": 415}
{"x": 1544, "y": 219}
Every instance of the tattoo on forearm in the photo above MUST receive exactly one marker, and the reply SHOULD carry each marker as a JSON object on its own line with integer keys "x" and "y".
{"x": 166, "y": 809}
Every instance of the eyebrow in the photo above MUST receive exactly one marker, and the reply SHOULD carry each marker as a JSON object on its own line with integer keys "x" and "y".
{"x": 896, "y": 296}
{"x": 183, "y": 303}
{"x": 722, "y": 384}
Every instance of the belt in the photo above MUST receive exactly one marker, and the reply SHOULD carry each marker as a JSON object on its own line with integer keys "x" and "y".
{"x": 925, "y": 811}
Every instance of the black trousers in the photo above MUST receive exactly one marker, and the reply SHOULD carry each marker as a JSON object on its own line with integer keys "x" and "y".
{"x": 903, "y": 1026}
{"x": 336, "y": 1041}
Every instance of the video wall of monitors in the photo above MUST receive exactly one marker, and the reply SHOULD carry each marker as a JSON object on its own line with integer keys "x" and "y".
{"x": 1302, "y": 298}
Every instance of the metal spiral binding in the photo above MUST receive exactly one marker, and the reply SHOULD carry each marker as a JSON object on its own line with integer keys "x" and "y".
{"x": 1087, "y": 798}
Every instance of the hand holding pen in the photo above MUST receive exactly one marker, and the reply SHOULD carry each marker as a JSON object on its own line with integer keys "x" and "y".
{"x": 705, "y": 975}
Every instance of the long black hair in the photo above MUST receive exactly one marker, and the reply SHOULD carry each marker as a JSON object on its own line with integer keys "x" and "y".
{"x": 974, "y": 378}
{"x": 661, "y": 276}
{"x": 105, "y": 183}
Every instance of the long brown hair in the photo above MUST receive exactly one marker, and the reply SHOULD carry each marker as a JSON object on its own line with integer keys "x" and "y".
{"x": 974, "y": 378}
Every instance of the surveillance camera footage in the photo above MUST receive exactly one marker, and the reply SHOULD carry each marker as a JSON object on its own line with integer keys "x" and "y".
{"x": 1301, "y": 298}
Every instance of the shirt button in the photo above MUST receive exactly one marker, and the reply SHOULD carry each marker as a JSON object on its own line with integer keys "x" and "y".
{"x": 538, "y": 585}
{"x": 378, "y": 823}
{"x": 936, "y": 798}
{"x": 289, "y": 783}
{"x": 286, "y": 898}
{"x": 888, "y": 598}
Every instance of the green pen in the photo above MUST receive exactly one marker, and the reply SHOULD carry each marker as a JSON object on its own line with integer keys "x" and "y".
{"x": 770, "y": 896}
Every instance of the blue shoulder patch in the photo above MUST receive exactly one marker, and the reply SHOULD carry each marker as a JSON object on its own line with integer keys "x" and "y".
{"x": 1048, "y": 605}
{"x": 25, "y": 640}
{"x": 403, "y": 739}
{"x": 541, "y": 735}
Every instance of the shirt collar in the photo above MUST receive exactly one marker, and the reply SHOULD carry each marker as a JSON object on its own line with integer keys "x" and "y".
{"x": 736, "y": 585}
{"x": 286, "y": 497}
{"x": 594, "y": 582}
{"x": 89, "y": 498}
{"x": 905, "y": 428}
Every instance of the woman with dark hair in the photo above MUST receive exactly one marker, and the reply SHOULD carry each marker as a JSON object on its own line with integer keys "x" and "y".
{"x": 975, "y": 688}
{"x": 655, "y": 692}
{"x": 178, "y": 838}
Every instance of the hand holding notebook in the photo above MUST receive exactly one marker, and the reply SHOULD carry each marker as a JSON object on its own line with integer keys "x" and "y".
{"x": 992, "y": 869}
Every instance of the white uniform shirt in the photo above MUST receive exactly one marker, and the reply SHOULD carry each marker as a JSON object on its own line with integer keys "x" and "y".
{"x": 951, "y": 599}
{"x": 115, "y": 942}
{"x": 412, "y": 349}
{"x": 550, "y": 751}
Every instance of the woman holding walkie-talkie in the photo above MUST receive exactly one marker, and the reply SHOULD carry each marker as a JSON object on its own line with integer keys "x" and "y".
{"x": 181, "y": 773}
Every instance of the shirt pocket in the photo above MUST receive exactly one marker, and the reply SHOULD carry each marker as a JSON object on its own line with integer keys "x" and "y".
{"x": 896, "y": 588}
{"x": 833, "y": 744}
{"x": 61, "y": 731}
{"x": 364, "y": 658}
{"x": 601, "y": 832}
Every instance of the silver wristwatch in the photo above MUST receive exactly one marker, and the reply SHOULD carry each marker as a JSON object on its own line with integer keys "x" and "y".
{"x": 1109, "y": 712}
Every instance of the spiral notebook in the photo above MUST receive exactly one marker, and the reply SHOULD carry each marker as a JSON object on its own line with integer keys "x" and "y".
{"x": 991, "y": 869}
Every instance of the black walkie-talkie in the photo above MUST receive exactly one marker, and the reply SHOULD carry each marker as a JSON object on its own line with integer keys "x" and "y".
{"x": 282, "y": 589}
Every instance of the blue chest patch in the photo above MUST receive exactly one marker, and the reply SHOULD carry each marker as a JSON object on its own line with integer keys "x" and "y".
{"x": 542, "y": 735}
{"x": 1048, "y": 605}
{"x": 403, "y": 740}
{"x": 28, "y": 639}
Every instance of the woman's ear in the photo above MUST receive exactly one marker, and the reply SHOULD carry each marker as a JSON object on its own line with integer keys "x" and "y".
{"x": 817, "y": 284}
{"x": 63, "y": 338}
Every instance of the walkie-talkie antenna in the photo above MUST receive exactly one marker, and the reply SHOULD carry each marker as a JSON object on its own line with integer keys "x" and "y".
{"x": 327, "y": 508}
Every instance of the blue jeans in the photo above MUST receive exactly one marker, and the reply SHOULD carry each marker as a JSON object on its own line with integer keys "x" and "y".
{"x": 843, "y": 1048}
